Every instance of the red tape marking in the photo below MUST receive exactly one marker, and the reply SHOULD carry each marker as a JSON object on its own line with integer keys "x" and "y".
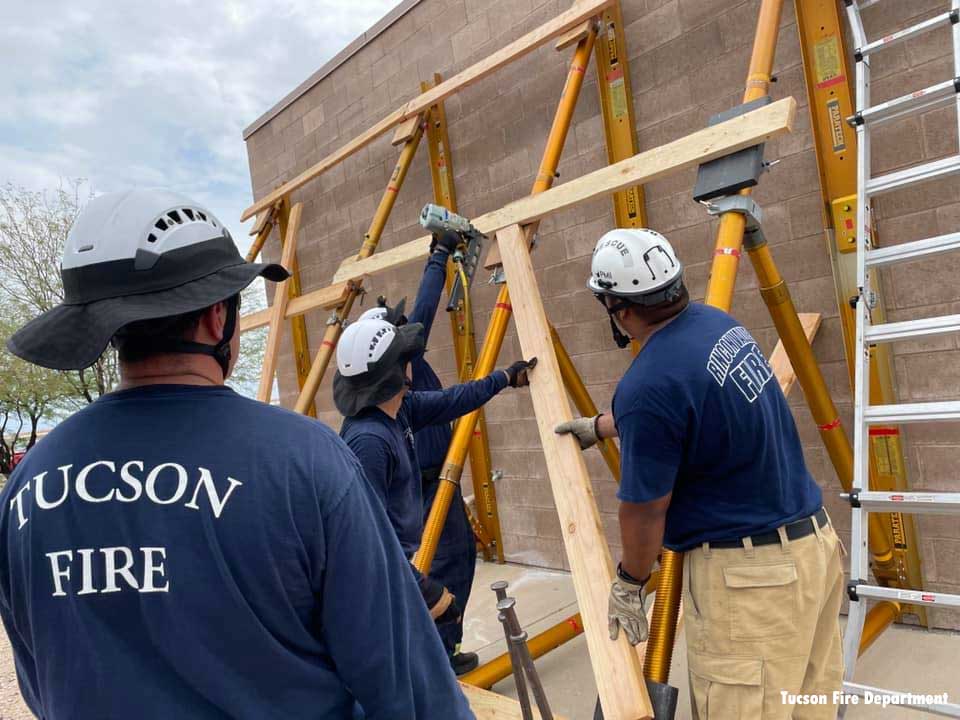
{"x": 504, "y": 306}
{"x": 830, "y": 425}
{"x": 392, "y": 188}
{"x": 574, "y": 624}
{"x": 727, "y": 251}
{"x": 328, "y": 343}
{"x": 880, "y": 431}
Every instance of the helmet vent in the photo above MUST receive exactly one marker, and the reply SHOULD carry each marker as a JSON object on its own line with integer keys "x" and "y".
{"x": 189, "y": 213}
{"x": 151, "y": 238}
{"x": 161, "y": 224}
{"x": 175, "y": 216}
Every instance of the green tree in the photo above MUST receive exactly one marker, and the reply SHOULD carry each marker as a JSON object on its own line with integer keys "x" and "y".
{"x": 29, "y": 395}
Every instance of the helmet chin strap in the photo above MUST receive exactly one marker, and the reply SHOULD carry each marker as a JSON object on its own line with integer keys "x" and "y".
{"x": 621, "y": 339}
{"x": 219, "y": 352}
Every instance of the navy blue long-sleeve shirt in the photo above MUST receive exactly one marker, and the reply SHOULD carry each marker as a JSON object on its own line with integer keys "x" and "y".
{"x": 433, "y": 440}
{"x": 387, "y": 449}
{"x": 184, "y": 552}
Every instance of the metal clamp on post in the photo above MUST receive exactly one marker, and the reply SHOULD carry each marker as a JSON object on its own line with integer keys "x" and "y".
{"x": 753, "y": 236}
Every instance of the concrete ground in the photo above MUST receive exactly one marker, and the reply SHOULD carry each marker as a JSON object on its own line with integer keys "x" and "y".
{"x": 903, "y": 658}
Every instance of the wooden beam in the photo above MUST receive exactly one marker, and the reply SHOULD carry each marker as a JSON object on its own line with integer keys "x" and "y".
{"x": 710, "y": 143}
{"x": 581, "y": 10}
{"x": 574, "y": 36}
{"x": 616, "y": 666}
{"x": 279, "y": 308}
{"x": 262, "y": 219}
{"x": 488, "y": 705}
{"x": 252, "y": 321}
{"x": 406, "y": 130}
{"x": 779, "y": 361}
{"x": 689, "y": 151}
{"x": 325, "y": 298}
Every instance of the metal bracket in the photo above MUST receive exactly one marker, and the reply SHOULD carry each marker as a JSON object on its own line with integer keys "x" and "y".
{"x": 753, "y": 236}
{"x": 497, "y": 277}
{"x": 852, "y": 590}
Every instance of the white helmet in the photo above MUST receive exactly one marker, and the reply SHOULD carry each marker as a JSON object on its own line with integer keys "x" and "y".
{"x": 638, "y": 265}
{"x": 363, "y": 343}
{"x": 138, "y": 255}
{"x": 374, "y": 313}
{"x": 371, "y": 357}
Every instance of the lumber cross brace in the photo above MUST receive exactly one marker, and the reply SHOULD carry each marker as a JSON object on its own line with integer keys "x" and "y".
{"x": 730, "y": 136}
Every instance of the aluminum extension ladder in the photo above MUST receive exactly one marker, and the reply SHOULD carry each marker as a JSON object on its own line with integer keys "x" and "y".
{"x": 861, "y": 498}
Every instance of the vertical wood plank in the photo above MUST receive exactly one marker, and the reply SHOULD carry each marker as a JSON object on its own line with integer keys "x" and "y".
{"x": 279, "y": 308}
{"x": 616, "y": 665}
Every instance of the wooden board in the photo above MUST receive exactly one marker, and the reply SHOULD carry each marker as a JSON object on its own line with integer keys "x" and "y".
{"x": 689, "y": 151}
{"x": 279, "y": 308}
{"x": 488, "y": 705}
{"x": 779, "y": 361}
{"x": 581, "y": 10}
{"x": 710, "y": 143}
{"x": 616, "y": 665}
{"x": 574, "y": 36}
{"x": 406, "y": 130}
{"x": 325, "y": 299}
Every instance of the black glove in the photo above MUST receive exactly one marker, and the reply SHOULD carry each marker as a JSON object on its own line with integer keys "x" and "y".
{"x": 517, "y": 373}
{"x": 441, "y": 603}
{"x": 447, "y": 242}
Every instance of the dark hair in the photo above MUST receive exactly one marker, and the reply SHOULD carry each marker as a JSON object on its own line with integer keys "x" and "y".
{"x": 145, "y": 338}
{"x": 652, "y": 314}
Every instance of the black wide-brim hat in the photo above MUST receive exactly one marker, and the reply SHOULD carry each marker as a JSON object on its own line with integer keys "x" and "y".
{"x": 384, "y": 378}
{"x": 101, "y": 299}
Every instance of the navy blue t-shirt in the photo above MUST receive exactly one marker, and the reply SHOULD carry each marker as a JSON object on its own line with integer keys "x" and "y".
{"x": 700, "y": 413}
{"x": 387, "y": 449}
{"x": 184, "y": 552}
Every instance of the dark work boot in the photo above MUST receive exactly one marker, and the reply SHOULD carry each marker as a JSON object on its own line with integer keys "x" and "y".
{"x": 464, "y": 662}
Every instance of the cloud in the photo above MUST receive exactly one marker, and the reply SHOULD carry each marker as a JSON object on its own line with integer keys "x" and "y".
{"x": 157, "y": 93}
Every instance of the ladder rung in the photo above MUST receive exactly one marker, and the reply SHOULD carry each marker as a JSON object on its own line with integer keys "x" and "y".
{"x": 915, "y": 250}
{"x": 913, "y": 597}
{"x": 889, "y": 332}
{"x": 927, "y": 503}
{"x": 946, "y": 709}
{"x": 906, "y": 104}
{"x": 912, "y": 412}
{"x": 936, "y": 21}
{"x": 916, "y": 174}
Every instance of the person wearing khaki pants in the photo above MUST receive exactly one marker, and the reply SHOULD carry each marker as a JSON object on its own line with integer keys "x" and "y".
{"x": 711, "y": 465}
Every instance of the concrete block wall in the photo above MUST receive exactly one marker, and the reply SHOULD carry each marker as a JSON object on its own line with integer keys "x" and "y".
{"x": 688, "y": 60}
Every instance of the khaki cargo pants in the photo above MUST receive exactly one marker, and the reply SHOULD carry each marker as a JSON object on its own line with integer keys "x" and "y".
{"x": 762, "y": 620}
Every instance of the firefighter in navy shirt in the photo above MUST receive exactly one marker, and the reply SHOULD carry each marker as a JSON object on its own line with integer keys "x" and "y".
{"x": 711, "y": 466}
{"x": 371, "y": 390}
{"x": 454, "y": 564}
{"x": 175, "y": 550}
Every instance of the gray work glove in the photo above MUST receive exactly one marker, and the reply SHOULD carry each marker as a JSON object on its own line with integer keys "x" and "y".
{"x": 584, "y": 429}
{"x": 625, "y": 609}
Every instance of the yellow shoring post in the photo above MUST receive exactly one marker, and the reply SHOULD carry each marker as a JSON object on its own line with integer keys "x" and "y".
{"x": 263, "y": 234}
{"x": 584, "y": 403}
{"x": 492, "y": 672}
{"x": 878, "y": 619}
{"x": 464, "y": 339}
{"x": 298, "y": 324}
{"x": 616, "y": 105}
{"x": 835, "y": 143}
{"x": 775, "y": 294}
{"x": 719, "y": 294}
{"x": 367, "y": 248}
{"x": 453, "y": 466}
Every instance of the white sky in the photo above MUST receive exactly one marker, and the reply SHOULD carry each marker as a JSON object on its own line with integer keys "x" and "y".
{"x": 128, "y": 92}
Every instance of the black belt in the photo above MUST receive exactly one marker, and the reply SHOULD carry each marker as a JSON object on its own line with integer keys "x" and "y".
{"x": 795, "y": 531}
